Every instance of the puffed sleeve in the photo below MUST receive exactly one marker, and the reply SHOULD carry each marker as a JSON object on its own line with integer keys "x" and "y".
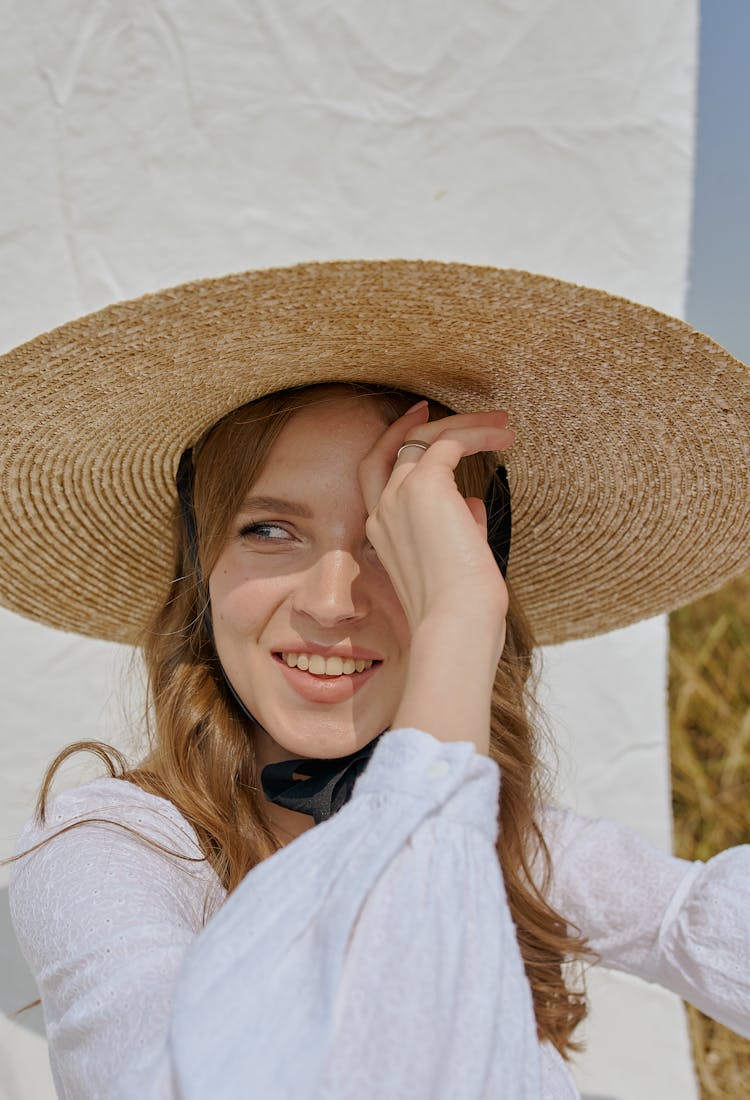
{"x": 104, "y": 921}
{"x": 684, "y": 925}
{"x": 375, "y": 955}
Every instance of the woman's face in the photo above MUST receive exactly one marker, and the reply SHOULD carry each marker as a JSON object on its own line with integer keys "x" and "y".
{"x": 299, "y": 581}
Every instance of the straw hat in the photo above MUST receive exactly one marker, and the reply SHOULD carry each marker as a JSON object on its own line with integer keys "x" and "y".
{"x": 630, "y": 476}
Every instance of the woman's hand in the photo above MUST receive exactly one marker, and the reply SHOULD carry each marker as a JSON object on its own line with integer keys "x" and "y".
{"x": 433, "y": 544}
{"x": 432, "y": 541}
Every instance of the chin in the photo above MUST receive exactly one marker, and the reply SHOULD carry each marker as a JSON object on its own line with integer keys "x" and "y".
{"x": 327, "y": 744}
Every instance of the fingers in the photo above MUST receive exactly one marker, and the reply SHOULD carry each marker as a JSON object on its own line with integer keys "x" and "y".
{"x": 464, "y": 441}
{"x": 375, "y": 468}
{"x": 470, "y": 432}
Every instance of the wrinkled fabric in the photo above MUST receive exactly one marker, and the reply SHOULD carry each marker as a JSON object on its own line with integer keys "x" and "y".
{"x": 682, "y": 925}
{"x": 328, "y": 785}
{"x": 373, "y": 956}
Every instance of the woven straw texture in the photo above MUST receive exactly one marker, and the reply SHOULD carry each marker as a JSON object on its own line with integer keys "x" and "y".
{"x": 630, "y": 476}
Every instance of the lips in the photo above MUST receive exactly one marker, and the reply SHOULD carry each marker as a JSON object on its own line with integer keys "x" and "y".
{"x": 324, "y": 689}
{"x": 343, "y": 651}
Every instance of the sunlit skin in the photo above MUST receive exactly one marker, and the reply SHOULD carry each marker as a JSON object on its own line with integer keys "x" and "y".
{"x": 312, "y": 580}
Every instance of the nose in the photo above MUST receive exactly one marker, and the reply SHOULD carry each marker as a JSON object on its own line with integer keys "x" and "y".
{"x": 332, "y": 590}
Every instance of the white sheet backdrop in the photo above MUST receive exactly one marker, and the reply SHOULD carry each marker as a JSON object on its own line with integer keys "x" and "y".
{"x": 146, "y": 143}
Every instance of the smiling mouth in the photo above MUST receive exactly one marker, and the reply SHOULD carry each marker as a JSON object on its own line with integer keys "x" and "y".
{"x": 322, "y": 675}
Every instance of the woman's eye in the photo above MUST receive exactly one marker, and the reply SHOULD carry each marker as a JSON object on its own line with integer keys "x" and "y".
{"x": 258, "y": 530}
{"x": 261, "y": 531}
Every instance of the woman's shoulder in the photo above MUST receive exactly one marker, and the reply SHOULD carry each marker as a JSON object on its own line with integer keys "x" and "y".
{"x": 109, "y": 861}
{"x": 117, "y": 804}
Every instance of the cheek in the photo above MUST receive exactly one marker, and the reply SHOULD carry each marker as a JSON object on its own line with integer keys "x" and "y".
{"x": 243, "y": 606}
{"x": 239, "y": 601}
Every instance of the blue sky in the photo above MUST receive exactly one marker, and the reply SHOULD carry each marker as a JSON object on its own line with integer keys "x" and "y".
{"x": 719, "y": 296}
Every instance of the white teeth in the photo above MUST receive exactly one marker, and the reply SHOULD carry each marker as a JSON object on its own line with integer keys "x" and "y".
{"x": 325, "y": 666}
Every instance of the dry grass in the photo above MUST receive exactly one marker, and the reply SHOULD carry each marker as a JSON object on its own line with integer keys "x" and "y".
{"x": 709, "y": 697}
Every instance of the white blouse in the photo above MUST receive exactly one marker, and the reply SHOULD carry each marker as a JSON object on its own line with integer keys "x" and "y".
{"x": 373, "y": 956}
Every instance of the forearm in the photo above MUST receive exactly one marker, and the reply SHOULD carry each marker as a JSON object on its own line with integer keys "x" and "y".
{"x": 449, "y": 683}
{"x": 683, "y": 925}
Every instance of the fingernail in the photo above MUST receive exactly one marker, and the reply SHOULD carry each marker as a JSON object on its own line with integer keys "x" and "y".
{"x": 419, "y": 405}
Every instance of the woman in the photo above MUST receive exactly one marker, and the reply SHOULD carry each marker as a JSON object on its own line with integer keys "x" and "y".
{"x": 388, "y": 948}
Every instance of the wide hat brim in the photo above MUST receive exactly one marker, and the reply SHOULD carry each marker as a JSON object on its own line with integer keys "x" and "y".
{"x": 629, "y": 477}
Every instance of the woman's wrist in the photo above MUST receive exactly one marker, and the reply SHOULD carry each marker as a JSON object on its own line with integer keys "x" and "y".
{"x": 452, "y": 668}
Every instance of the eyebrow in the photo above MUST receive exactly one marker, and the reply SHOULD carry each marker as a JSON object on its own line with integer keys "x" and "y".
{"x": 277, "y": 504}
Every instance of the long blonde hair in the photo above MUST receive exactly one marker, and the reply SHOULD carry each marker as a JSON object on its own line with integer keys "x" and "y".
{"x": 202, "y": 760}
